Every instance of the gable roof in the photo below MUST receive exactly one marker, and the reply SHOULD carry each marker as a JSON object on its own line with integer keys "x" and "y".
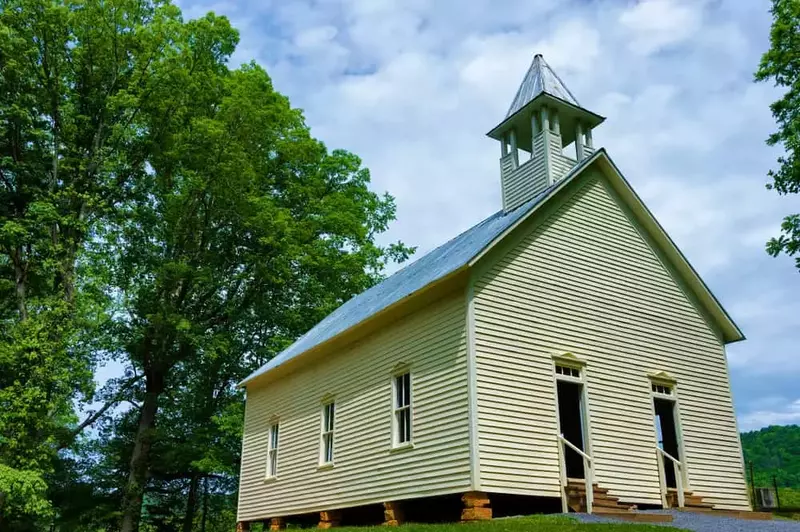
{"x": 540, "y": 78}
{"x": 464, "y": 251}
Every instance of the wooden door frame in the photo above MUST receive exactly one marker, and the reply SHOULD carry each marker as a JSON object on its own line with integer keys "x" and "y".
{"x": 571, "y": 361}
{"x": 662, "y": 380}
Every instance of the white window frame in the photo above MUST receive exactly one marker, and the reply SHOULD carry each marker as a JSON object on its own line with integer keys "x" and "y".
{"x": 399, "y": 411}
{"x": 568, "y": 372}
{"x": 327, "y": 431}
{"x": 273, "y": 445}
{"x": 662, "y": 390}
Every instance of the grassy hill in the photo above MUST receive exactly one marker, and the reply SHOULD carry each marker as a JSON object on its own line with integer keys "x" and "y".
{"x": 775, "y": 452}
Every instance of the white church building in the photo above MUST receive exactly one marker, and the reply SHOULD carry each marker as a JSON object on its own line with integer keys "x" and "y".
{"x": 562, "y": 351}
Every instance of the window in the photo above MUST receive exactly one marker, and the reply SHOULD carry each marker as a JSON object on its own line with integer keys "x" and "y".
{"x": 402, "y": 409}
{"x": 662, "y": 389}
{"x": 272, "y": 453}
{"x": 326, "y": 449}
{"x": 568, "y": 371}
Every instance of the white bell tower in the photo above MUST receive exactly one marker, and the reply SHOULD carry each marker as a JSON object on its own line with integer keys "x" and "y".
{"x": 543, "y": 118}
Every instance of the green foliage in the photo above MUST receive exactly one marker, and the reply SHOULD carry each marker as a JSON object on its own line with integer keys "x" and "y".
{"x": 781, "y": 64}
{"x": 159, "y": 209}
{"x": 790, "y": 497}
{"x": 23, "y": 492}
{"x": 774, "y": 451}
{"x": 75, "y": 76}
{"x": 254, "y": 232}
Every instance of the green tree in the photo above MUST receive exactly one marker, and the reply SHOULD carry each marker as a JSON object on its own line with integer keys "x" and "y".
{"x": 159, "y": 208}
{"x": 73, "y": 78}
{"x": 253, "y": 233}
{"x": 774, "y": 452}
{"x": 781, "y": 64}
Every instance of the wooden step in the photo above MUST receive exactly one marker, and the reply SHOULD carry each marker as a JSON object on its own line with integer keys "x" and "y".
{"x": 690, "y": 500}
{"x": 601, "y": 500}
{"x": 580, "y": 485}
{"x": 605, "y": 503}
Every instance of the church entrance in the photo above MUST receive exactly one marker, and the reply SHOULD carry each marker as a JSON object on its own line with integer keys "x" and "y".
{"x": 571, "y": 418}
{"x": 667, "y": 435}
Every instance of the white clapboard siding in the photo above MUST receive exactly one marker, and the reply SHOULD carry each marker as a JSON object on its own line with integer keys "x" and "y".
{"x": 524, "y": 182}
{"x": 432, "y": 342}
{"x": 585, "y": 281}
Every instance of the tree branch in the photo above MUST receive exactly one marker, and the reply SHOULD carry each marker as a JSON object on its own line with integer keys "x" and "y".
{"x": 118, "y": 397}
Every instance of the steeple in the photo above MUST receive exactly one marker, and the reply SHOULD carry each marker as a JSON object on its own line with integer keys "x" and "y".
{"x": 540, "y": 78}
{"x": 544, "y": 117}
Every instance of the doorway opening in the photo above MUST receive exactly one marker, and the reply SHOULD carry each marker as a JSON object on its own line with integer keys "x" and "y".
{"x": 571, "y": 421}
{"x": 667, "y": 435}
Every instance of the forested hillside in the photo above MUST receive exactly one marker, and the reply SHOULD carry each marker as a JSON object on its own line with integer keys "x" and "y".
{"x": 774, "y": 451}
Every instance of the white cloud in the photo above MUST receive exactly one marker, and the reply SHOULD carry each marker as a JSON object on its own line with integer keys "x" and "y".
{"x": 789, "y": 414}
{"x": 713, "y": 225}
{"x": 316, "y": 38}
{"x": 656, "y": 24}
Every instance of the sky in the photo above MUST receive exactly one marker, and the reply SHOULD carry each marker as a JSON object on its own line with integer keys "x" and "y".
{"x": 412, "y": 86}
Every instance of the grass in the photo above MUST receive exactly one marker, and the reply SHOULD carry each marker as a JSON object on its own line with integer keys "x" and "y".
{"x": 537, "y": 523}
{"x": 790, "y": 497}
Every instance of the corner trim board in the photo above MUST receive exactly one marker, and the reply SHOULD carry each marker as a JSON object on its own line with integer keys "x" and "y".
{"x": 472, "y": 390}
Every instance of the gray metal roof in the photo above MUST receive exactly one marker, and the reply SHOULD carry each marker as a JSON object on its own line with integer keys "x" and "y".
{"x": 431, "y": 267}
{"x": 540, "y": 78}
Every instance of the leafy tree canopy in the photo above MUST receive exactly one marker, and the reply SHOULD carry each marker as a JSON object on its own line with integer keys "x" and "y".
{"x": 774, "y": 451}
{"x": 164, "y": 210}
{"x": 781, "y": 64}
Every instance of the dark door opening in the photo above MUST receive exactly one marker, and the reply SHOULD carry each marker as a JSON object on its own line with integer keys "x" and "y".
{"x": 667, "y": 436}
{"x": 570, "y": 416}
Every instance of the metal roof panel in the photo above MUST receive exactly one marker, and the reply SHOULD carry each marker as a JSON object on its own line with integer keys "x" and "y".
{"x": 540, "y": 78}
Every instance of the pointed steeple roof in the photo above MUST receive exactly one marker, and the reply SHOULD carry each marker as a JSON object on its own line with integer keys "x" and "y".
{"x": 540, "y": 78}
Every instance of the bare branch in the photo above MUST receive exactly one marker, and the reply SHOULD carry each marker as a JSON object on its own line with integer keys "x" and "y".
{"x": 118, "y": 397}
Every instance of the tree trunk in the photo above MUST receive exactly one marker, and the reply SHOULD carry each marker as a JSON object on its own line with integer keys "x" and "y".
{"x": 140, "y": 459}
{"x": 205, "y": 505}
{"x": 20, "y": 278}
{"x": 188, "y": 519}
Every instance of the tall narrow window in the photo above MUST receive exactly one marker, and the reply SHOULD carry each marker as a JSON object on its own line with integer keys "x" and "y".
{"x": 272, "y": 453}
{"x": 402, "y": 409}
{"x": 328, "y": 417}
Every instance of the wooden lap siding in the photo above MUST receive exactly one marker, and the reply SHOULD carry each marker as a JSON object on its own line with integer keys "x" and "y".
{"x": 526, "y": 181}
{"x": 585, "y": 281}
{"x": 432, "y": 343}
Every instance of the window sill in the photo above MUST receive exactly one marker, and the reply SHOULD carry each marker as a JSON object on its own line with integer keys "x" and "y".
{"x": 325, "y": 467}
{"x": 402, "y": 447}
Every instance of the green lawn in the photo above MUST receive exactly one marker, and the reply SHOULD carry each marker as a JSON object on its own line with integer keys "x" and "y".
{"x": 538, "y": 523}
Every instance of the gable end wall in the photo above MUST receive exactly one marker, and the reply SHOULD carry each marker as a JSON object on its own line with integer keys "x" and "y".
{"x": 584, "y": 280}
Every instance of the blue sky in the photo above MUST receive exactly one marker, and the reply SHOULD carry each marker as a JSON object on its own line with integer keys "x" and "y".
{"x": 413, "y": 85}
